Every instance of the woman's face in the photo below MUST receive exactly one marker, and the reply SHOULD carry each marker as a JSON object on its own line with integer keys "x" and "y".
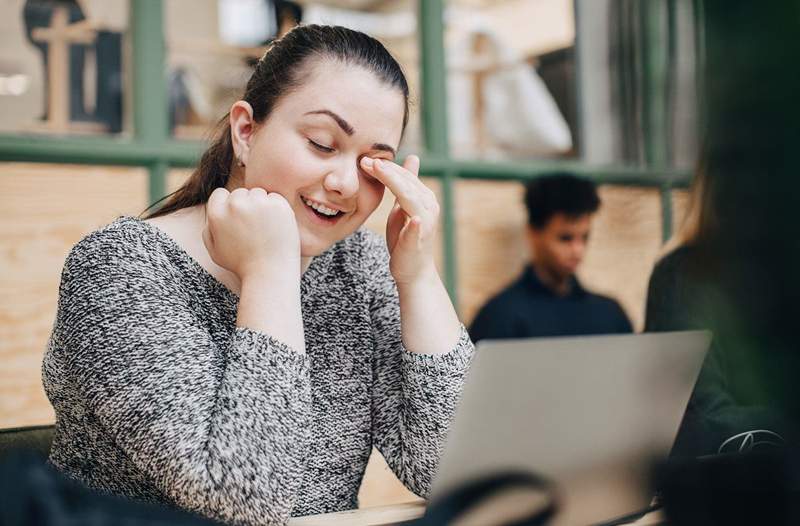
{"x": 309, "y": 148}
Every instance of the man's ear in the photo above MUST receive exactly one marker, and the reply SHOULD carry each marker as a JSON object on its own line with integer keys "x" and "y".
{"x": 242, "y": 129}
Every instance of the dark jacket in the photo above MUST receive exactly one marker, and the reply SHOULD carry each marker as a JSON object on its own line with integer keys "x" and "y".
{"x": 729, "y": 410}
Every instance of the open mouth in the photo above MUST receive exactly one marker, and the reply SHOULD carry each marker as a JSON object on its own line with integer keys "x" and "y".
{"x": 322, "y": 212}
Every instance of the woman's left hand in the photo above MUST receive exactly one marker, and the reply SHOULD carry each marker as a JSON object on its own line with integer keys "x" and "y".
{"x": 413, "y": 221}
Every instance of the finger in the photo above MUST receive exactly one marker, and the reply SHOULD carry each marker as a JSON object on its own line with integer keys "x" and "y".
{"x": 239, "y": 194}
{"x": 408, "y": 190}
{"x": 395, "y": 208}
{"x": 411, "y": 235}
{"x": 396, "y": 214}
{"x": 258, "y": 191}
{"x": 411, "y": 164}
{"x": 215, "y": 206}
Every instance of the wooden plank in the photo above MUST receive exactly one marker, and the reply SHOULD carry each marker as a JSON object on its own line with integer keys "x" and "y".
{"x": 364, "y": 517}
{"x": 44, "y": 211}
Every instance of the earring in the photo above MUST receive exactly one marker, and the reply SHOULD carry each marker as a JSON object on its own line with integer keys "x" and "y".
{"x": 239, "y": 161}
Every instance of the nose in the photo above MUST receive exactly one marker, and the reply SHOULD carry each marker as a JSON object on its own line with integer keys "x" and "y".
{"x": 578, "y": 249}
{"x": 343, "y": 181}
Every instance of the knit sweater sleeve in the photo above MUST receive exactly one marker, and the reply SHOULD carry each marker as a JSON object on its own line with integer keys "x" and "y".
{"x": 217, "y": 427}
{"x": 414, "y": 395}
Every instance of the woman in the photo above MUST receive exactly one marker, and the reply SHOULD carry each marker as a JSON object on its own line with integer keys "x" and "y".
{"x": 240, "y": 351}
{"x": 693, "y": 286}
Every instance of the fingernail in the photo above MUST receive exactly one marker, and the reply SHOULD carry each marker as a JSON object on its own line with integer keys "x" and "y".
{"x": 366, "y": 161}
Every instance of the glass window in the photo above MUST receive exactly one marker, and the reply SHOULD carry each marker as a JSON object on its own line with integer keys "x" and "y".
{"x": 62, "y": 66}
{"x": 213, "y": 44}
{"x": 511, "y": 78}
{"x": 521, "y": 85}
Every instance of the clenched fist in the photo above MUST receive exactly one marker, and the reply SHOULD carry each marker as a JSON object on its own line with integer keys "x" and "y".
{"x": 251, "y": 232}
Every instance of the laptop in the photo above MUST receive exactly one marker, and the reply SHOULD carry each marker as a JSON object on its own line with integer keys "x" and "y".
{"x": 591, "y": 414}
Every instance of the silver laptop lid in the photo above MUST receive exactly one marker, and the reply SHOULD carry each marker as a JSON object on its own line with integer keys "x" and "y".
{"x": 588, "y": 412}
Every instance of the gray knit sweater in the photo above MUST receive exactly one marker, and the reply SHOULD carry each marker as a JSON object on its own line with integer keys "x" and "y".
{"x": 159, "y": 396}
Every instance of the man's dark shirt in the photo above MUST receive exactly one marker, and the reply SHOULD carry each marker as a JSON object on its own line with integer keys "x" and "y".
{"x": 529, "y": 309}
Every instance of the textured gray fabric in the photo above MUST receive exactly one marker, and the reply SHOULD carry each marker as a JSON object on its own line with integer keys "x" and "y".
{"x": 159, "y": 396}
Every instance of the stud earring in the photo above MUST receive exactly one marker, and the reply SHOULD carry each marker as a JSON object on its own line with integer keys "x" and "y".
{"x": 239, "y": 161}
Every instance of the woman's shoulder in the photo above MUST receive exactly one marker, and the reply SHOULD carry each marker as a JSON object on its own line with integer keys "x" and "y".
{"x": 126, "y": 241}
{"x": 675, "y": 261}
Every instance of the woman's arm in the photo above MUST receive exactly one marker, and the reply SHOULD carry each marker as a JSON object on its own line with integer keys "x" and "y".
{"x": 254, "y": 235}
{"x": 429, "y": 321}
{"x": 216, "y": 421}
{"x": 414, "y": 394}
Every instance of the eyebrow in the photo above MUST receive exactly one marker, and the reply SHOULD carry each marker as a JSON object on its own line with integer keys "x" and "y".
{"x": 345, "y": 126}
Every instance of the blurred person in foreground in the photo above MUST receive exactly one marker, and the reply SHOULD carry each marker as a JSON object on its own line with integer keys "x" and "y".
{"x": 547, "y": 299}
{"x": 729, "y": 410}
{"x": 735, "y": 265}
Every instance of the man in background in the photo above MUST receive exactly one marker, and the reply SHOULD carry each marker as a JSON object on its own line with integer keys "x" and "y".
{"x": 547, "y": 299}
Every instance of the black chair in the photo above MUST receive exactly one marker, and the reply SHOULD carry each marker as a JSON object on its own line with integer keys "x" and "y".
{"x": 36, "y": 439}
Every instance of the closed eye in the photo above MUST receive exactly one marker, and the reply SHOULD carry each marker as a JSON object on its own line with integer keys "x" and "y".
{"x": 321, "y": 147}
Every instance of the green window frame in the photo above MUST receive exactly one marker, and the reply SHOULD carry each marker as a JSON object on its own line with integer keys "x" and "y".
{"x": 152, "y": 147}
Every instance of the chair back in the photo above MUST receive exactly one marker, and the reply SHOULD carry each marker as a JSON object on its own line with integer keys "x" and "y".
{"x": 34, "y": 438}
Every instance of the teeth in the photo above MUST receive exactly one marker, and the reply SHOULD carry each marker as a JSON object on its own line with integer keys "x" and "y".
{"x": 322, "y": 209}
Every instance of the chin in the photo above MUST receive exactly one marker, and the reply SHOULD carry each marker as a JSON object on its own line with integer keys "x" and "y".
{"x": 312, "y": 247}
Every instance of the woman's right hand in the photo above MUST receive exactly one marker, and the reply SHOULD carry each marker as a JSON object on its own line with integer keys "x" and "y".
{"x": 252, "y": 233}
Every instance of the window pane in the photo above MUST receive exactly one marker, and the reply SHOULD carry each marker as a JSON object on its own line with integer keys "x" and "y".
{"x": 511, "y": 78}
{"x": 61, "y": 66}
{"x": 207, "y": 73}
{"x": 605, "y": 81}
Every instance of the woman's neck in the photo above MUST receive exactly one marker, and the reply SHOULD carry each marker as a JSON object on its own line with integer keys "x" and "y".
{"x": 186, "y": 226}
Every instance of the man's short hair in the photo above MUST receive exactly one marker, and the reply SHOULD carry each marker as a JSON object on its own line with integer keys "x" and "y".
{"x": 559, "y": 192}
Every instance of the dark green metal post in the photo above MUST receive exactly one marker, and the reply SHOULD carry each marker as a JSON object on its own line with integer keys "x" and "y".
{"x": 449, "y": 235}
{"x": 656, "y": 32}
{"x": 150, "y": 106}
{"x": 434, "y": 121}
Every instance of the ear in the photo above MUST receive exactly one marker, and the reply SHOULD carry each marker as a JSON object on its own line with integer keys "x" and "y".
{"x": 242, "y": 129}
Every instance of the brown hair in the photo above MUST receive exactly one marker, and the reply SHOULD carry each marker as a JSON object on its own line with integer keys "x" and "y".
{"x": 282, "y": 69}
{"x": 699, "y": 225}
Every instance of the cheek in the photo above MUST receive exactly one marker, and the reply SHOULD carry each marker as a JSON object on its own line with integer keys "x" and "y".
{"x": 562, "y": 251}
{"x": 370, "y": 195}
{"x": 284, "y": 175}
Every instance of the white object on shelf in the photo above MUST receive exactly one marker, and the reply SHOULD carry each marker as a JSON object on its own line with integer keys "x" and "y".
{"x": 246, "y": 22}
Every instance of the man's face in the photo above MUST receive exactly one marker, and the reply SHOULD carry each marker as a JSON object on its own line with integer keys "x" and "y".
{"x": 561, "y": 244}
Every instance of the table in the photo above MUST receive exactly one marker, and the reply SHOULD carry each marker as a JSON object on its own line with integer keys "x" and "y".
{"x": 374, "y": 516}
{"x": 386, "y": 515}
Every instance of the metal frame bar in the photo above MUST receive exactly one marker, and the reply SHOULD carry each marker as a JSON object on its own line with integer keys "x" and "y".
{"x": 150, "y": 104}
{"x": 152, "y": 147}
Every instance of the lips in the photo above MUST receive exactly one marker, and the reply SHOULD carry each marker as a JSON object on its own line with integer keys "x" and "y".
{"x": 322, "y": 213}
{"x": 322, "y": 208}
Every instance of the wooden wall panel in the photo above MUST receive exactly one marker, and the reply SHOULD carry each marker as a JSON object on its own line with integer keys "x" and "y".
{"x": 626, "y": 240}
{"x": 490, "y": 242}
{"x": 44, "y": 211}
